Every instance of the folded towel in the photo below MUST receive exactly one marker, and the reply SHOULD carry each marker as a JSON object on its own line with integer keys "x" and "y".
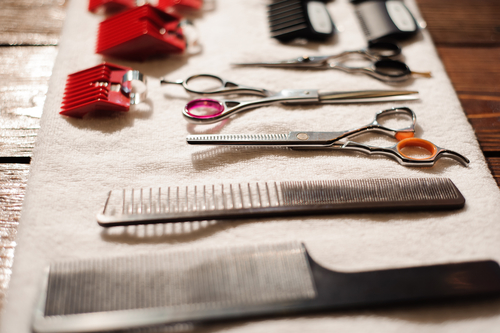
{"x": 77, "y": 161}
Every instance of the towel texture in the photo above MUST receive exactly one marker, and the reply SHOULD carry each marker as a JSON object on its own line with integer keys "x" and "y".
{"x": 77, "y": 161}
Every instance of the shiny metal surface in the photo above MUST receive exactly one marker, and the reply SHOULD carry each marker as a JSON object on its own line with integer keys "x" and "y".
{"x": 379, "y": 57}
{"x": 337, "y": 140}
{"x": 223, "y": 109}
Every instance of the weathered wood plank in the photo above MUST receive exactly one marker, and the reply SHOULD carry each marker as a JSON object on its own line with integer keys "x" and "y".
{"x": 22, "y": 95}
{"x": 473, "y": 70}
{"x": 494, "y": 164}
{"x": 31, "y": 22}
{"x": 483, "y": 112}
{"x": 465, "y": 22}
{"x": 13, "y": 178}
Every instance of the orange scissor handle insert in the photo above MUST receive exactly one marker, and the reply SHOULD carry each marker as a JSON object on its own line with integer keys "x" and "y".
{"x": 417, "y": 142}
{"x": 404, "y": 135}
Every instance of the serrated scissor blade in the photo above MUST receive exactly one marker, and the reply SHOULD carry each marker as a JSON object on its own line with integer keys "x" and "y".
{"x": 240, "y": 139}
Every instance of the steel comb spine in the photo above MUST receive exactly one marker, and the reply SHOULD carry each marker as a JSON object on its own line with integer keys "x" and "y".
{"x": 250, "y": 200}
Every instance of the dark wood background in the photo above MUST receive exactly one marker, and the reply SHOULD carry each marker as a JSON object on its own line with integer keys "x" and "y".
{"x": 466, "y": 34}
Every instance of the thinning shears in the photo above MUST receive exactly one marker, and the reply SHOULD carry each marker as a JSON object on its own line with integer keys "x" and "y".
{"x": 207, "y": 110}
{"x": 379, "y": 56}
{"x": 339, "y": 140}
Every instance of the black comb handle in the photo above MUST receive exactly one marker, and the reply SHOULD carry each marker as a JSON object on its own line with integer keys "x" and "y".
{"x": 405, "y": 285}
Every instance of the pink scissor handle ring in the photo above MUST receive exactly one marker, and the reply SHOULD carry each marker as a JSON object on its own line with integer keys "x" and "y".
{"x": 207, "y": 110}
{"x": 203, "y": 108}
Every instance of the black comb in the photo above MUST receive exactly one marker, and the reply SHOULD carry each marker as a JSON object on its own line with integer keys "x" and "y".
{"x": 291, "y": 19}
{"x": 210, "y": 284}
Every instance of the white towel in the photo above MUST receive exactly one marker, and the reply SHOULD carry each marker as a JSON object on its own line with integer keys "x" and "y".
{"x": 77, "y": 161}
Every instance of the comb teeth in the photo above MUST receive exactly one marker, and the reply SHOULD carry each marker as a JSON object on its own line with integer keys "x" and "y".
{"x": 140, "y": 33}
{"x": 194, "y": 280}
{"x": 93, "y": 89}
{"x": 286, "y": 19}
{"x": 290, "y": 19}
{"x": 175, "y": 204}
{"x": 363, "y": 24}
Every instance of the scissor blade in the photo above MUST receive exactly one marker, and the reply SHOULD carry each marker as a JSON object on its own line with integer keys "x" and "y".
{"x": 299, "y": 62}
{"x": 239, "y": 139}
{"x": 292, "y": 139}
{"x": 366, "y": 96}
{"x": 285, "y": 63}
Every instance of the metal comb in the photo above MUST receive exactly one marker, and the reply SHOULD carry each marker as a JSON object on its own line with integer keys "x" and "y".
{"x": 244, "y": 200}
{"x": 232, "y": 283}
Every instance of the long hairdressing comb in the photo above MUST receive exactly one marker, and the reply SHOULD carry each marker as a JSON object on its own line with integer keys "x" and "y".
{"x": 234, "y": 283}
{"x": 244, "y": 200}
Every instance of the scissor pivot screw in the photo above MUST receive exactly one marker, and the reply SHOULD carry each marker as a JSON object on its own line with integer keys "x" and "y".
{"x": 302, "y": 136}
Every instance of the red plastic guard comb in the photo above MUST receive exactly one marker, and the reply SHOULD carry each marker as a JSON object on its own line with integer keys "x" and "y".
{"x": 114, "y": 6}
{"x": 108, "y": 6}
{"x": 188, "y": 4}
{"x": 140, "y": 33}
{"x": 103, "y": 87}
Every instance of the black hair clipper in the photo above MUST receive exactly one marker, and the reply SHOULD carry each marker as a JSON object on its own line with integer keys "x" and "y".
{"x": 292, "y": 19}
{"x": 385, "y": 20}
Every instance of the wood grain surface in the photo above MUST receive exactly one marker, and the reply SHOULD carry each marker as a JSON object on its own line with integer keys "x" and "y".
{"x": 466, "y": 34}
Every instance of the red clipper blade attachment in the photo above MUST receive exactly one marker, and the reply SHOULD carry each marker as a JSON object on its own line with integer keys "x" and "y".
{"x": 103, "y": 87}
{"x": 140, "y": 33}
{"x": 114, "y": 6}
{"x": 183, "y": 4}
{"x": 109, "y": 6}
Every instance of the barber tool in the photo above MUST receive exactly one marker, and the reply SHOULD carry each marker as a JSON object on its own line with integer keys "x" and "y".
{"x": 339, "y": 140}
{"x": 207, "y": 110}
{"x": 114, "y": 6}
{"x": 385, "y": 20}
{"x": 140, "y": 33}
{"x": 109, "y": 6}
{"x": 292, "y": 19}
{"x": 184, "y": 4}
{"x": 380, "y": 65}
{"x": 102, "y": 87}
{"x": 216, "y": 284}
{"x": 251, "y": 200}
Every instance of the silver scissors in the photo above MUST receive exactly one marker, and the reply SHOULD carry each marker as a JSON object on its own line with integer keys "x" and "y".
{"x": 207, "y": 110}
{"x": 381, "y": 65}
{"x": 339, "y": 140}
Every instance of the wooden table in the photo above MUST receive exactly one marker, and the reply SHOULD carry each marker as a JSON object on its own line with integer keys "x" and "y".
{"x": 466, "y": 34}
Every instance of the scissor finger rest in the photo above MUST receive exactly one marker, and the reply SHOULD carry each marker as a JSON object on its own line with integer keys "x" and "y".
{"x": 434, "y": 151}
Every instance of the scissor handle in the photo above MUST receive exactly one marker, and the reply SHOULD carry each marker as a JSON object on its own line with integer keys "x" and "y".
{"x": 385, "y": 70}
{"x": 207, "y": 110}
{"x": 383, "y": 50}
{"x": 397, "y": 152}
{"x": 219, "y": 86}
{"x": 400, "y": 133}
{"x": 390, "y": 70}
{"x": 435, "y": 152}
